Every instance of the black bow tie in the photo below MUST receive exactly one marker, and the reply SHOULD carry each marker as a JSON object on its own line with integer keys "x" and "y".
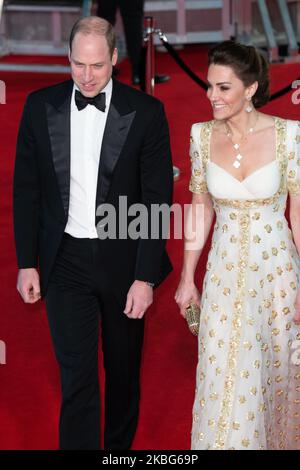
{"x": 82, "y": 101}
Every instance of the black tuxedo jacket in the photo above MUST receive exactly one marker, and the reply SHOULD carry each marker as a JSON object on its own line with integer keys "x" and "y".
{"x": 135, "y": 162}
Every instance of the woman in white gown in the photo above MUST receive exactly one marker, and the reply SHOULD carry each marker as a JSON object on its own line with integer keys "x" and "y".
{"x": 244, "y": 163}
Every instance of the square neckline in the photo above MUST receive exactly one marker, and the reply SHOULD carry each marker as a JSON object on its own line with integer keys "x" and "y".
{"x": 276, "y": 119}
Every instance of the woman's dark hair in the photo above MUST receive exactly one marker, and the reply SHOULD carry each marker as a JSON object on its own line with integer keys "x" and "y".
{"x": 248, "y": 64}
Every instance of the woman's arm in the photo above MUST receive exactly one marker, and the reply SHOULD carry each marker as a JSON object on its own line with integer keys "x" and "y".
{"x": 295, "y": 226}
{"x": 197, "y": 227}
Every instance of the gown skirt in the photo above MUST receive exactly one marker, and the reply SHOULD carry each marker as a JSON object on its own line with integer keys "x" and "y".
{"x": 248, "y": 374}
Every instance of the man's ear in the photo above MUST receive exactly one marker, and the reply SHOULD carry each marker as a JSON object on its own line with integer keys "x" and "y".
{"x": 114, "y": 58}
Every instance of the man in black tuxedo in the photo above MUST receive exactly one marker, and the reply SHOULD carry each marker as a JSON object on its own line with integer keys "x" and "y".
{"x": 83, "y": 143}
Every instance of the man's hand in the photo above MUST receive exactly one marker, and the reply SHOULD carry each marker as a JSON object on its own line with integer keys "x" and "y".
{"x": 28, "y": 285}
{"x": 139, "y": 298}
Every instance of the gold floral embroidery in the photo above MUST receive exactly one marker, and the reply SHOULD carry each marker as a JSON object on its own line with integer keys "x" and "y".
{"x": 291, "y": 155}
{"x": 268, "y": 228}
{"x": 198, "y": 176}
{"x": 229, "y": 266}
{"x": 248, "y": 204}
{"x": 294, "y": 188}
{"x": 245, "y": 442}
{"x": 196, "y": 187}
{"x": 235, "y": 337}
{"x": 279, "y": 225}
{"x": 252, "y": 292}
{"x": 291, "y": 174}
{"x": 265, "y": 255}
{"x": 293, "y": 180}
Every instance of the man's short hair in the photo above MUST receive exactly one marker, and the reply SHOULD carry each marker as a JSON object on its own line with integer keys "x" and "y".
{"x": 94, "y": 25}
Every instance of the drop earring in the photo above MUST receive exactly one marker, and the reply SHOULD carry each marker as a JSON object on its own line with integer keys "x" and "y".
{"x": 249, "y": 108}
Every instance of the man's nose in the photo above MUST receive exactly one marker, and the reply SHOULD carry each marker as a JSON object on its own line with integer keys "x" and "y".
{"x": 87, "y": 74}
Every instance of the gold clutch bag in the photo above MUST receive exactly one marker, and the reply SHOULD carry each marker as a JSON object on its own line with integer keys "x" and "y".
{"x": 192, "y": 316}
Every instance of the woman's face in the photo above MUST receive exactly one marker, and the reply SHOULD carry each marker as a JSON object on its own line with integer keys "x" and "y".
{"x": 226, "y": 92}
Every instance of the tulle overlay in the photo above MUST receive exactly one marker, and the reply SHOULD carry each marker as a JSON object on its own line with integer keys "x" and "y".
{"x": 248, "y": 381}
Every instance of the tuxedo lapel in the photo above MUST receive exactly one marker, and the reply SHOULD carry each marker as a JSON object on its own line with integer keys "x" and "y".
{"x": 119, "y": 120}
{"x": 58, "y": 116}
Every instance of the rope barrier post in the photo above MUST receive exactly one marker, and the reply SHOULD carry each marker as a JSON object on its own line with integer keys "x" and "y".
{"x": 150, "y": 66}
{"x": 164, "y": 40}
{"x": 150, "y": 72}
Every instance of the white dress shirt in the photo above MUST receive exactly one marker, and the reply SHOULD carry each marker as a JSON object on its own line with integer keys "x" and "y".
{"x": 87, "y": 129}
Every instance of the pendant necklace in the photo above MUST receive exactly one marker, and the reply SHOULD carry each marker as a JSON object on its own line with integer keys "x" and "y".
{"x": 236, "y": 146}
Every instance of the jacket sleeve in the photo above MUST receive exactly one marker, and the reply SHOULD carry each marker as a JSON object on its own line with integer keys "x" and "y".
{"x": 26, "y": 193}
{"x": 156, "y": 173}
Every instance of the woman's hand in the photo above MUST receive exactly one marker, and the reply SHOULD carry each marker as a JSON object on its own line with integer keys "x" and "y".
{"x": 186, "y": 294}
{"x": 297, "y": 306}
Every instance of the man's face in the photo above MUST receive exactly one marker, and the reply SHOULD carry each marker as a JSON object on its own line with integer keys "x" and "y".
{"x": 91, "y": 63}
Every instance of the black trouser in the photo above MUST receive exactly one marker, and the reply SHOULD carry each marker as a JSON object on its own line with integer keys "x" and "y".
{"x": 78, "y": 290}
{"x": 132, "y": 12}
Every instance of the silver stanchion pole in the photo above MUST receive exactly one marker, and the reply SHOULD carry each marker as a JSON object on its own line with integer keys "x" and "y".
{"x": 150, "y": 66}
{"x": 150, "y": 56}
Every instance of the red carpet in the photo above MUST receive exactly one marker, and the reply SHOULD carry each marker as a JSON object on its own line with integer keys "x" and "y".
{"x": 29, "y": 390}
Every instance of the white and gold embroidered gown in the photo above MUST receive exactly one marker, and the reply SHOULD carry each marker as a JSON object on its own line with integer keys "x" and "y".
{"x": 248, "y": 383}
